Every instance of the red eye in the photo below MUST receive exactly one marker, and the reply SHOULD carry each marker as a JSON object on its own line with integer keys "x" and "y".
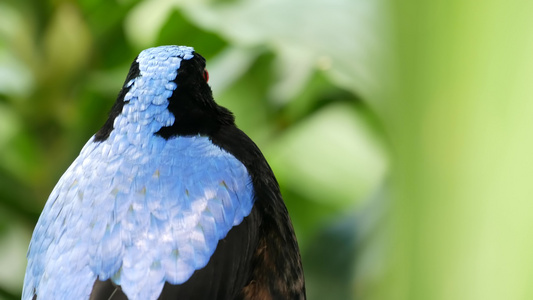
{"x": 206, "y": 75}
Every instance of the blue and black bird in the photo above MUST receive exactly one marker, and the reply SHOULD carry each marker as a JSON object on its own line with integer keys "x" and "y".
{"x": 168, "y": 200}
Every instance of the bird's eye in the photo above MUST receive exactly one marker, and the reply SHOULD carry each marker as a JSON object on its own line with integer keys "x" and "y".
{"x": 206, "y": 75}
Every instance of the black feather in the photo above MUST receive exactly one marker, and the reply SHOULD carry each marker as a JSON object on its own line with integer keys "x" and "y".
{"x": 105, "y": 131}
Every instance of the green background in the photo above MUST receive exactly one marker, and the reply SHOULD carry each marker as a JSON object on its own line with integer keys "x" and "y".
{"x": 400, "y": 131}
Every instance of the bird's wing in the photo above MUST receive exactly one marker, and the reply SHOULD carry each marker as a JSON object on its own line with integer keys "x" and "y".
{"x": 145, "y": 220}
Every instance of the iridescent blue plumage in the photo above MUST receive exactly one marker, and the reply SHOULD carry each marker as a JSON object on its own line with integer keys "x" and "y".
{"x": 138, "y": 208}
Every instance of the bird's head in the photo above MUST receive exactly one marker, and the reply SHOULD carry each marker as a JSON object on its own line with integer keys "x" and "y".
{"x": 166, "y": 94}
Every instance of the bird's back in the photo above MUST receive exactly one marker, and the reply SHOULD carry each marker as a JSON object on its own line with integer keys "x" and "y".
{"x": 141, "y": 219}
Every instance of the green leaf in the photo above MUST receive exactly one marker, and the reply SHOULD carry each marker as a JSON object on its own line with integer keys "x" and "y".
{"x": 332, "y": 157}
{"x": 335, "y": 36}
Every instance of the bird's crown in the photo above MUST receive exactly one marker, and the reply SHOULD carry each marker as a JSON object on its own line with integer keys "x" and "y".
{"x": 144, "y": 105}
{"x": 146, "y": 100}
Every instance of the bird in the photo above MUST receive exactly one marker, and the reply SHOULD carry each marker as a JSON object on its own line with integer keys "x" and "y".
{"x": 169, "y": 199}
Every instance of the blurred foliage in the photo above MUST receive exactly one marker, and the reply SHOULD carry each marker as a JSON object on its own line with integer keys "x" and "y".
{"x": 297, "y": 74}
{"x": 459, "y": 113}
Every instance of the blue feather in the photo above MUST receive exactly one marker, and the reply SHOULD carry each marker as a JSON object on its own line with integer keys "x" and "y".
{"x": 136, "y": 208}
